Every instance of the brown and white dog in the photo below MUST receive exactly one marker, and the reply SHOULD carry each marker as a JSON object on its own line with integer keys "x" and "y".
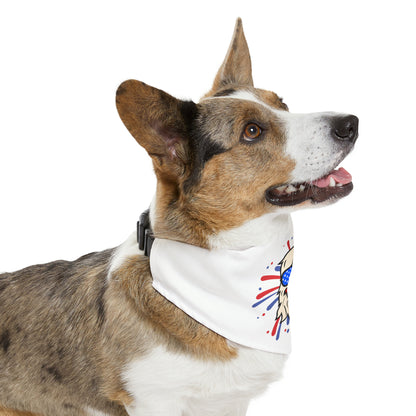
{"x": 92, "y": 336}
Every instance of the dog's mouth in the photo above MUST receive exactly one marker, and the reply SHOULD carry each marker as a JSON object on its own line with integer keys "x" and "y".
{"x": 335, "y": 185}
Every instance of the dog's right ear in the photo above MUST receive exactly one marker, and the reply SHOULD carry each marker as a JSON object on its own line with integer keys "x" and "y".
{"x": 159, "y": 122}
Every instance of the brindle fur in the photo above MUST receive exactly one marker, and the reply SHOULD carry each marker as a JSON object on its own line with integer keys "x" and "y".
{"x": 67, "y": 333}
{"x": 54, "y": 316}
{"x": 66, "y": 330}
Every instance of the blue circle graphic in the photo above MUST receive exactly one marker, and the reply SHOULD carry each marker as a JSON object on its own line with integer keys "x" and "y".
{"x": 285, "y": 276}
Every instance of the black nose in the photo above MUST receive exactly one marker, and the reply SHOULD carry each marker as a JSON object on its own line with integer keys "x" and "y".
{"x": 345, "y": 128}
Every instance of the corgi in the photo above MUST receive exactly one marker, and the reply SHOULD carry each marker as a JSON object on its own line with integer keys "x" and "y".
{"x": 159, "y": 325}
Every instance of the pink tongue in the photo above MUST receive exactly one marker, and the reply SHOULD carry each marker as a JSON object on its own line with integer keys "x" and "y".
{"x": 340, "y": 176}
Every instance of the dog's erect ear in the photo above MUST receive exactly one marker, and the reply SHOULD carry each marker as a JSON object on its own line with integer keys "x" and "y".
{"x": 159, "y": 122}
{"x": 236, "y": 68}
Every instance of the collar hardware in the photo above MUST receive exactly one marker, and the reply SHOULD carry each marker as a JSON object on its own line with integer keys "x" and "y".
{"x": 145, "y": 236}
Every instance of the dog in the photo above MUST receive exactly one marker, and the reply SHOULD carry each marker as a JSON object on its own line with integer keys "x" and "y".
{"x": 107, "y": 335}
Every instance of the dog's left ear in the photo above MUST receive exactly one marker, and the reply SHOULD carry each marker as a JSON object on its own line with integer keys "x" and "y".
{"x": 236, "y": 68}
{"x": 159, "y": 122}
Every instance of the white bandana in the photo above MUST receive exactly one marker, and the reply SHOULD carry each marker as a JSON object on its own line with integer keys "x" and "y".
{"x": 239, "y": 294}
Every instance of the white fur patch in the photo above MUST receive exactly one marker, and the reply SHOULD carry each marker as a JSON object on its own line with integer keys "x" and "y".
{"x": 127, "y": 249}
{"x": 167, "y": 383}
{"x": 94, "y": 412}
{"x": 309, "y": 143}
{"x": 256, "y": 232}
{"x": 152, "y": 211}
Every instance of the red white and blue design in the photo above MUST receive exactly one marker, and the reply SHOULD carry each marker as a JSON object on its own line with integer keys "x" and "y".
{"x": 272, "y": 298}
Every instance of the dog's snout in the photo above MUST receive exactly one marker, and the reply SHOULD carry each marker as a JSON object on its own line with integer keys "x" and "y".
{"x": 345, "y": 128}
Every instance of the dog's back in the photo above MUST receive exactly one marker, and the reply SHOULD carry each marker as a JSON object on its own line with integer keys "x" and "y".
{"x": 51, "y": 325}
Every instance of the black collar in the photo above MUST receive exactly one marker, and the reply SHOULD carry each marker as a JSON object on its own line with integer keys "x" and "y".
{"x": 145, "y": 235}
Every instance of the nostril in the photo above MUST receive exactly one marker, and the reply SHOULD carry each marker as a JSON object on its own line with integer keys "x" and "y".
{"x": 345, "y": 128}
{"x": 345, "y": 132}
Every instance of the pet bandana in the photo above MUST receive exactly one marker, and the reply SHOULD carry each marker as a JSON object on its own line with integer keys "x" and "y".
{"x": 239, "y": 294}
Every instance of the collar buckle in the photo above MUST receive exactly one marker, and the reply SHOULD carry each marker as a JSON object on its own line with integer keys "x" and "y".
{"x": 145, "y": 236}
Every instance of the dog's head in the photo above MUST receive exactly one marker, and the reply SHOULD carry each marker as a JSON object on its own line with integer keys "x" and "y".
{"x": 236, "y": 155}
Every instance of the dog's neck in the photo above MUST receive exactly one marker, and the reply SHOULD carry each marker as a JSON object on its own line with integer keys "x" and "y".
{"x": 256, "y": 232}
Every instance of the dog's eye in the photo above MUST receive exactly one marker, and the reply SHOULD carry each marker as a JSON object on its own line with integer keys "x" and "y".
{"x": 252, "y": 132}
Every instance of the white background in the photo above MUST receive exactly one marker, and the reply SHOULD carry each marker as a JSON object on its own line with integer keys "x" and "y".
{"x": 72, "y": 180}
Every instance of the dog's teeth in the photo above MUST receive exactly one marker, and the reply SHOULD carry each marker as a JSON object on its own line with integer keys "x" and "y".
{"x": 290, "y": 189}
{"x": 281, "y": 189}
{"x": 302, "y": 188}
{"x": 339, "y": 185}
{"x": 332, "y": 182}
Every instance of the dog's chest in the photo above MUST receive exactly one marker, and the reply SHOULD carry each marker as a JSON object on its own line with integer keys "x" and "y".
{"x": 191, "y": 386}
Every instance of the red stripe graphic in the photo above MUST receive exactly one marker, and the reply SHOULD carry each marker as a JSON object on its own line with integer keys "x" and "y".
{"x": 266, "y": 292}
